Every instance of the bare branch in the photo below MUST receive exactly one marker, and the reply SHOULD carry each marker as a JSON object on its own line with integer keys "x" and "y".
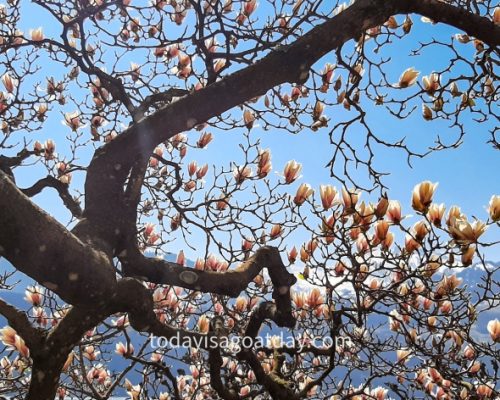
{"x": 61, "y": 188}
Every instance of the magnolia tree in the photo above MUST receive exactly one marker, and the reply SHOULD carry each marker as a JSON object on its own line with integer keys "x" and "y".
{"x": 368, "y": 306}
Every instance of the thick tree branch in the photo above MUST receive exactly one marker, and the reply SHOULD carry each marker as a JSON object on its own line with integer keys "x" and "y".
{"x": 71, "y": 204}
{"x": 16, "y": 160}
{"x": 281, "y": 316}
{"x": 43, "y": 249}
{"x": 229, "y": 283}
{"x": 277, "y": 387}
{"x": 7, "y": 163}
{"x": 474, "y": 25}
{"x": 215, "y": 363}
{"x": 53, "y": 353}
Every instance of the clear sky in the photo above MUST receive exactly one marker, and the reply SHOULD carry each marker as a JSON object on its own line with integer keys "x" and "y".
{"x": 467, "y": 176}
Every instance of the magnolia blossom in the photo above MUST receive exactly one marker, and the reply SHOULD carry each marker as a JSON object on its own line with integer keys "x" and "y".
{"x": 381, "y": 230}
{"x": 90, "y": 353}
{"x": 18, "y": 37}
{"x": 203, "y": 324}
{"x": 362, "y": 244}
{"x": 327, "y": 73}
{"x": 240, "y": 304}
{"x": 381, "y": 207}
{"x": 172, "y": 51}
{"x": 408, "y": 78}
{"x": 37, "y": 34}
{"x": 292, "y": 171}
{"x": 249, "y": 7}
{"x": 318, "y": 110}
{"x": 403, "y": 355}
{"x": 448, "y": 285}
{"x": 34, "y": 295}
{"x": 394, "y": 211}
{"x": 446, "y": 307}
{"x": 40, "y": 316}
{"x": 420, "y": 230}
{"x": 68, "y": 362}
{"x": 241, "y": 173}
{"x": 202, "y": 171}
{"x": 468, "y": 255}
{"x": 469, "y": 352}
{"x": 204, "y": 140}
{"x": 135, "y": 71}
{"x": 179, "y": 14}
{"x": 435, "y": 213}
{"x": 359, "y": 71}
{"x": 388, "y": 241}
{"x": 124, "y": 349}
{"x": 181, "y": 258}
{"x": 153, "y": 161}
{"x": 264, "y": 163}
{"x": 379, "y": 393}
{"x": 192, "y": 167}
{"x": 292, "y": 255}
{"x": 275, "y": 231}
{"x": 422, "y": 195}
{"x": 350, "y": 198}
{"x": 211, "y": 44}
{"x": 134, "y": 391}
{"x": 98, "y": 373}
{"x": 304, "y": 191}
{"x": 183, "y": 68}
{"x": 321, "y": 122}
{"x": 494, "y": 330}
{"x": 464, "y": 232}
{"x": 485, "y": 391}
{"x": 219, "y": 64}
{"x": 248, "y": 118}
{"x": 426, "y": 112}
{"x": 314, "y": 298}
{"x": 10, "y": 338}
{"x": 431, "y": 83}
{"x": 190, "y": 186}
{"x": 391, "y": 23}
{"x": 148, "y": 230}
{"x": 304, "y": 254}
{"x": 494, "y": 207}
{"x": 121, "y": 322}
{"x": 394, "y": 321}
{"x": 299, "y": 299}
{"x": 222, "y": 203}
{"x": 9, "y": 82}
{"x": 72, "y": 120}
{"x": 328, "y": 196}
{"x": 159, "y": 51}
{"x": 454, "y": 213}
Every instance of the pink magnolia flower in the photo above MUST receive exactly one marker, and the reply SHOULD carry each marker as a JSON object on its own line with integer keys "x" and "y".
{"x": 292, "y": 171}
{"x": 304, "y": 191}
{"x": 494, "y": 330}
{"x": 328, "y": 196}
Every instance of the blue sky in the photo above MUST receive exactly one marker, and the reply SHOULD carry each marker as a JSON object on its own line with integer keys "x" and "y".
{"x": 467, "y": 176}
